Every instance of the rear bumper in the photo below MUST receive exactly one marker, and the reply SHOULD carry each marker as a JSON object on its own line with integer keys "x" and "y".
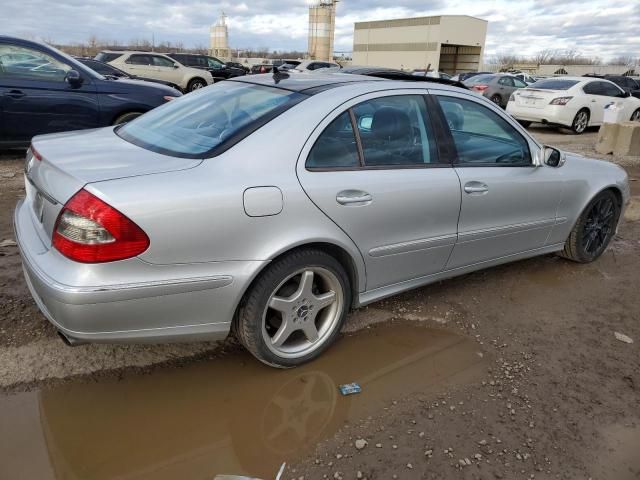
{"x": 130, "y": 301}
{"x": 551, "y": 114}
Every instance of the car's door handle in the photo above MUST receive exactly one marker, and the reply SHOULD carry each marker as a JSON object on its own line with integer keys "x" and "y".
{"x": 476, "y": 187}
{"x": 15, "y": 94}
{"x": 353, "y": 197}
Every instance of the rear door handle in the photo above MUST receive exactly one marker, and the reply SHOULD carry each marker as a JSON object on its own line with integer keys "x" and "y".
{"x": 353, "y": 197}
{"x": 15, "y": 94}
{"x": 476, "y": 187}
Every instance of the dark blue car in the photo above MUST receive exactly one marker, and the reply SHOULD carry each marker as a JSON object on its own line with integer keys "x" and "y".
{"x": 43, "y": 90}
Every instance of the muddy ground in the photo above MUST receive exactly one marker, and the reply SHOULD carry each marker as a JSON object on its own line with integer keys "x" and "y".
{"x": 558, "y": 395}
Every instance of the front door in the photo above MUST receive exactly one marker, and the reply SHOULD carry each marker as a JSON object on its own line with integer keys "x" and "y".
{"x": 508, "y": 204}
{"x": 36, "y": 98}
{"x": 167, "y": 70}
{"x": 385, "y": 186}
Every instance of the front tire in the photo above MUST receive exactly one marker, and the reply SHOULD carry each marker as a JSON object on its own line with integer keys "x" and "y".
{"x": 580, "y": 122}
{"x": 635, "y": 116}
{"x": 295, "y": 309}
{"x": 196, "y": 84}
{"x": 594, "y": 229}
{"x": 497, "y": 100}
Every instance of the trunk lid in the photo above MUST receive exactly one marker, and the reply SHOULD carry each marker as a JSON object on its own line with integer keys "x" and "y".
{"x": 66, "y": 162}
{"x": 536, "y": 98}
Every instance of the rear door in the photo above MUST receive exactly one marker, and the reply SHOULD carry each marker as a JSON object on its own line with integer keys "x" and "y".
{"x": 35, "y": 97}
{"x": 141, "y": 65}
{"x": 386, "y": 186}
{"x": 597, "y": 100}
{"x": 167, "y": 70}
{"x": 508, "y": 204}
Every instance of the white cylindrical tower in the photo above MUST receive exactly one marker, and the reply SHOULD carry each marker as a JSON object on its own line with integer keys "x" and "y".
{"x": 219, "y": 41}
{"x": 322, "y": 24}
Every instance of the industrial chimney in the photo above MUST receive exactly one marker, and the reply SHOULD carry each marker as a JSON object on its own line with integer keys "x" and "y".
{"x": 219, "y": 44}
{"x": 322, "y": 25}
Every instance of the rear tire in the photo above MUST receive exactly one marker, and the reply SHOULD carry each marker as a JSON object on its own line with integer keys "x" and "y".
{"x": 580, "y": 122}
{"x": 196, "y": 84}
{"x": 295, "y": 309}
{"x": 497, "y": 100}
{"x": 635, "y": 116}
{"x": 126, "y": 117}
{"x": 594, "y": 229}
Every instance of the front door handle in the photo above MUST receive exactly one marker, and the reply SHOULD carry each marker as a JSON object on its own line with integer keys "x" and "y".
{"x": 15, "y": 94}
{"x": 353, "y": 197}
{"x": 476, "y": 187}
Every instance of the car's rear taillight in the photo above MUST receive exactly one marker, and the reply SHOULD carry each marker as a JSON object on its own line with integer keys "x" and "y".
{"x": 90, "y": 231}
{"x": 479, "y": 88}
{"x": 35, "y": 153}
{"x": 560, "y": 101}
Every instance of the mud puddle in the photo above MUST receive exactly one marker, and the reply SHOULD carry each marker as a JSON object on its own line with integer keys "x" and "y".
{"x": 232, "y": 415}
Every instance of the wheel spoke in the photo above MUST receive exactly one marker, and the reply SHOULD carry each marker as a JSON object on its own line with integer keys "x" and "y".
{"x": 281, "y": 304}
{"x": 324, "y": 300}
{"x": 311, "y": 332}
{"x": 306, "y": 284}
{"x": 284, "y": 332}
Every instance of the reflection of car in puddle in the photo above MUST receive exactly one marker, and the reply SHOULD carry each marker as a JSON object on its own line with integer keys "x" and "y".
{"x": 233, "y": 415}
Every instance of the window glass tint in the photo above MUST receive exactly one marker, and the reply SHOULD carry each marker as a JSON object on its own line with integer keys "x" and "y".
{"x": 336, "y": 146}
{"x": 140, "y": 60}
{"x": 107, "y": 57}
{"x": 395, "y": 131}
{"x": 480, "y": 79}
{"x": 195, "y": 124}
{"x": 519, "y": 83}
{"x": 482, "y": 136}
{"x": 507, "y": 81}
{"x": 554, "y": 84}
{"x": 29, "y": 64}
{"x": 214, "y": 63}
{"x": 610, "y": 90}
{"x": 592, "y": 88}
{"x": 162, "y": 61}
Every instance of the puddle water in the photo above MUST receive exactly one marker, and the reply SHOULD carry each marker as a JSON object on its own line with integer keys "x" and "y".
{"x": 231, "y": 415}
{"x": 619, "y": 458}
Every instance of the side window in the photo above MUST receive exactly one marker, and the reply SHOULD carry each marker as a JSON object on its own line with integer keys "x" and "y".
{"x": 519, "y": 83}
{"x": 29, "y": 64}
{"x": 610, "y": 90}
{"x": 506, "y": 81}
{"x": 336, "y": 146}
{"x": 592, "y": 88}
{"x": 481, "y": 136}
{"x": 395, "y": 131}
{"x": 162, "y": 62}
{"x": 139, "y": 60}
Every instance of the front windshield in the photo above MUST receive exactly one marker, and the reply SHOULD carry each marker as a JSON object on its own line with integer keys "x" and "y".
{"x": 195, "y": 124}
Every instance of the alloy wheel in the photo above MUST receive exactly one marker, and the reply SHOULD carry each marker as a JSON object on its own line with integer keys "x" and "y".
{"x": 581, "y": 121}
{"x": 636, "y": 116}
{"x": 599, "y": 226}
{"x": 302, "y": 312}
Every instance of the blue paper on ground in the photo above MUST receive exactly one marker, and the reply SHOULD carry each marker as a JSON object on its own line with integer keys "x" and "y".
{"x": 349, "y": 388}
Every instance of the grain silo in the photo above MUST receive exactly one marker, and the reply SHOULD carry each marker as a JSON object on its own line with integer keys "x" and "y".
{"x": 322, "y": 25}
{"x": 219, "y": 43}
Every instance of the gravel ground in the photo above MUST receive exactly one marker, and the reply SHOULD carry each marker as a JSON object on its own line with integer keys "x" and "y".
{"x": 560, "y": 395}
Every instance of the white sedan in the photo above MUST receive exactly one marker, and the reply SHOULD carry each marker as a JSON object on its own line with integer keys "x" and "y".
{"x": 574, "y": 102}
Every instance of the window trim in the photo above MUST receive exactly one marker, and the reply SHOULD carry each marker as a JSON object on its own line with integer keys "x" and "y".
{"x": 451, "y": 142}
{"x": 427, "y": 119}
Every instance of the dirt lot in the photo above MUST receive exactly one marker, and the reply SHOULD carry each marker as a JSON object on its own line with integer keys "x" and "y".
{"x": 558, "y": 397}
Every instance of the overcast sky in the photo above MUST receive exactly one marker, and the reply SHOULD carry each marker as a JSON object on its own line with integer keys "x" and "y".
{"x": 595, "y": 28}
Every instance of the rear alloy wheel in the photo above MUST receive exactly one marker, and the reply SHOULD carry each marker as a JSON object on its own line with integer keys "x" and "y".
{"x": 594, "y": 229}
{"x": 497, "y": 100}
{"x": 196, "y": 84}
{"x": 126, "y": 117}
{"x": 635, "y": 116}
{"x": 580, "y": 122}
{"x": 295, "y": 309}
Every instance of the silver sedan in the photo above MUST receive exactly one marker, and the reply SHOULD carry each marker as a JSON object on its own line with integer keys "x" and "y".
{"x": 271, "y": 206}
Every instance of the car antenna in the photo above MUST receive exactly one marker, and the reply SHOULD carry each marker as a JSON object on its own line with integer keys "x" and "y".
{"x": 278, "y": 76}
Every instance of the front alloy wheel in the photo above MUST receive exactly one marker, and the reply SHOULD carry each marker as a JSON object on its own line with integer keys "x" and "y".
{"x": 295, "y": 309}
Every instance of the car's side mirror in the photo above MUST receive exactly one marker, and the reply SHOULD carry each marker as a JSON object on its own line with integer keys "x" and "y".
{"x": 73, "y": 78}
{"x": 175, "y": 65}
{"x": 626, "y": 94}
{"x": 552, "y": 157}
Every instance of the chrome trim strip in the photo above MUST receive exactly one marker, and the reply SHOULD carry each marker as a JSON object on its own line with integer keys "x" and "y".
{"x": 413, "y": 245}
{"x": 509, "y": 229}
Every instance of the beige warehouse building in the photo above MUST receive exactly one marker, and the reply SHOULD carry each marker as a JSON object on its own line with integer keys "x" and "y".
{"x": 448, "y": 43}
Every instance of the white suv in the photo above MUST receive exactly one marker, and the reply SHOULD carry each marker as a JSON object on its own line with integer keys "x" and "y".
{"x": 159, "y": 67}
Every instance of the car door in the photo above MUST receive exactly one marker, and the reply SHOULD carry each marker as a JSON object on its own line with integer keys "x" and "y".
{"x": 141, "y": 65}
{"x": 36, "y": 98}
{"x": 596, "y": 101}
{"x": 615, "y": 94}
{"x": 506, "y": 87}
{"x": 372, "y": 166}
{"x": 166, "y": 69}
{"x": 508, "y": 204}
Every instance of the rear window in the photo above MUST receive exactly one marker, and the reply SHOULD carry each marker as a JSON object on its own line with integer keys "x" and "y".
{"x": 554, "y": 84}
{"x": 208, "y": 121}
{"x": 107, "y": 57}
{"x": 480, "y": 78}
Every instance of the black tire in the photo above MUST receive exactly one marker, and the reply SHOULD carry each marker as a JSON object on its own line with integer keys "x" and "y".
{"x": 497, "y": 100}
{"x": 577, "y": 246}
{"x": 196, "y": 84}
{"x": 580, "y": 122}
{"x": 524, "y": 123}
{"x": 635, "y": 116}
{"x": 253, "y": 311}
{"x": 126, "y": 117}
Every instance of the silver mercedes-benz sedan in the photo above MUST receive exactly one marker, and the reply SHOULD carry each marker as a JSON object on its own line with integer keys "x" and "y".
{"x": 271, "y": 206}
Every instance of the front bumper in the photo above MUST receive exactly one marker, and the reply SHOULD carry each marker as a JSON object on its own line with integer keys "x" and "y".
{"x": 131, "y": 300}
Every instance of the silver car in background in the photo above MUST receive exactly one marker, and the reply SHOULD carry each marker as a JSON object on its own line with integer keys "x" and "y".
{"x": 497, "y": 87}
{"x": 192, "y": 221}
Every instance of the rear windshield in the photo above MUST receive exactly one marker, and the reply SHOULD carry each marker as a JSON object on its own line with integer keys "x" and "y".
{"x": 208, "y": 121}
{"x": 107, "y": 57}
{"x": 554, "y": 84}
{"x": 480, "y": 78}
